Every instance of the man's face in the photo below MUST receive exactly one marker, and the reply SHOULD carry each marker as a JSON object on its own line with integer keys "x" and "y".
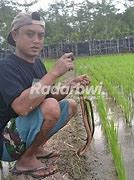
{"x": 29, "y": 40}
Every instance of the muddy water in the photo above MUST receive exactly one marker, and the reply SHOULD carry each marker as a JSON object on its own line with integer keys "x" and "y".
{"x": 98, "y": 158}
{"x": 127, "y": 146}
{"x": 101, "y": 165}
{"x": 126, "y": 138}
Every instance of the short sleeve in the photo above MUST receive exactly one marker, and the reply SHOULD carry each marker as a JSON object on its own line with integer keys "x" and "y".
{"x": 10, "y": 83}
{"x": 43, "y": 67}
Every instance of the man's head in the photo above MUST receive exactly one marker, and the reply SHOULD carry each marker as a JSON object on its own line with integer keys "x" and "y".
{"x": 27, "y": 33}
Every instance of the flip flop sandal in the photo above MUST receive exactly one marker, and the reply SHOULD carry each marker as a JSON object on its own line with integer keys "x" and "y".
{"x": 49, "y": 155}
{"x": 32, "y": 172}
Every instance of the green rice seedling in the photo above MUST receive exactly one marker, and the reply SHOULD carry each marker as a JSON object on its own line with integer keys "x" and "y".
{"x": 113, "y": 72}
{"x": 116, "y": 73}
{"x": 111, "y": 134}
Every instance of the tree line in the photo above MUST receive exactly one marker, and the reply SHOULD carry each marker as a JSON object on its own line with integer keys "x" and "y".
{"x": 68, "y": 21}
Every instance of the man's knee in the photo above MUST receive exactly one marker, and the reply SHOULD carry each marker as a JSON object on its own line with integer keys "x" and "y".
{"x": 50, "y": 109}
{"x": 72, "y": 106}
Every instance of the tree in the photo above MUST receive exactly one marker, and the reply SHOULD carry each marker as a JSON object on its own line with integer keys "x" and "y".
{"x": 83, "y": 21}
{"x": 128, "y": 19}
{"x": 25, "y": 5}
{"x": 7, "y": 12}
{"x": 104, "y": 19}
{"x": 129, "y": 3}
{"x": 58, "y": 24}
{"x": 72, "y": 22}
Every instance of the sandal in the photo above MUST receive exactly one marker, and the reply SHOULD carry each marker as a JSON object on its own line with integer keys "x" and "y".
{"x": 34, "y": 172}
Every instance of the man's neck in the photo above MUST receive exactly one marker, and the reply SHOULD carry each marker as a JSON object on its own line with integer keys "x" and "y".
{"x": 25, "y": 58}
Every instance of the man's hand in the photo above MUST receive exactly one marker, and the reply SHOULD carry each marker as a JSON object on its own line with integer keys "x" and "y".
{"x": 64, "y": 64}
{"x": 80, "y": 80}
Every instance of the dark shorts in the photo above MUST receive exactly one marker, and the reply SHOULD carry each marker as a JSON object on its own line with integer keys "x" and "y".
{"x": 23, "y": 130}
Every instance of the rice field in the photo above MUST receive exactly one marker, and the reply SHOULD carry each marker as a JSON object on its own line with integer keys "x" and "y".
{"x": 112, "y": 78}
{"x": 116, "y": 74}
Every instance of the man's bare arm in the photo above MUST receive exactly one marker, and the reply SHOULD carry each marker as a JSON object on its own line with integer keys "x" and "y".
{"x": 23, "y": 104}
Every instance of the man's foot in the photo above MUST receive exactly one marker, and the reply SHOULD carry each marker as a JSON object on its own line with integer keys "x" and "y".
{"x": 34, "y": 167}
{"x": 40, "y": 172}
{"x": 47, "y": 154}
{"x": 43, "y": 153}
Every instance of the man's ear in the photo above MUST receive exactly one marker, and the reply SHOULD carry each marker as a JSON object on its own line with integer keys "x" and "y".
{"x": 14, "y": 35}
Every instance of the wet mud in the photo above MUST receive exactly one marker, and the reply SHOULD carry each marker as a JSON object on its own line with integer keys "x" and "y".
{"x": 125, "y": 135}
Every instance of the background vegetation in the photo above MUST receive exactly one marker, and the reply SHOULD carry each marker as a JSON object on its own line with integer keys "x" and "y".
{"x": 70, "y": 22}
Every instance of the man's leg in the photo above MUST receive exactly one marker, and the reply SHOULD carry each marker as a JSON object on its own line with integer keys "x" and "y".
{"x": 72, "y": 107}
{"x": 42, "y": 150}
{"x": 51, "y": 112}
